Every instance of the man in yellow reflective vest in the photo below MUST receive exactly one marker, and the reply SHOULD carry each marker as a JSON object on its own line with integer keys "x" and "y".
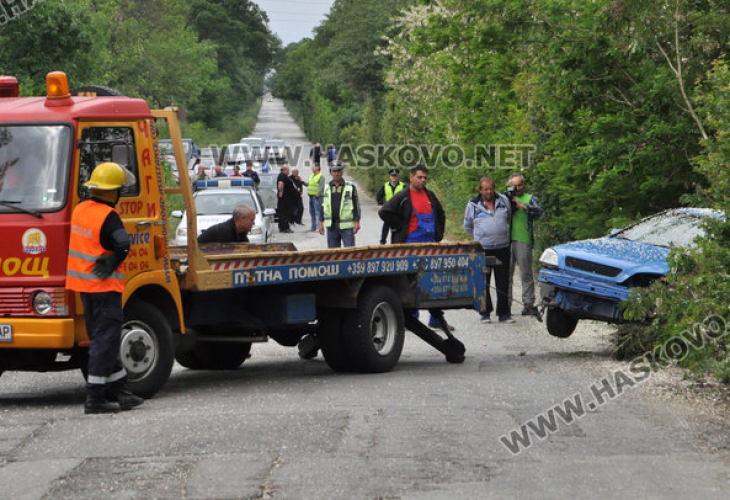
{"x": 97, "y": 249}
{"x": 340, "y": 209}
{"x": 383, "y": 196}
{"x": 315, "y": 191}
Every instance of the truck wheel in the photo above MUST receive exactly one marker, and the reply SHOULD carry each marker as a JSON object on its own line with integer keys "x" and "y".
{"x": 559, "y": 324}
{"x": 330, "y": 331}
{"x": 147, "y": 351}
{"x": 375, "y": 331}
{"x": 189, "y": 359}
{"x": 222, "y": 355}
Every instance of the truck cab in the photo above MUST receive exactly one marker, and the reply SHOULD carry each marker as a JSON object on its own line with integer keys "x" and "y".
{"x": 49, "y": 146}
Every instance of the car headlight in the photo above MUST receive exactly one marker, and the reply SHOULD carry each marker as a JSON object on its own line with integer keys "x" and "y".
{"x": 256, "y": 230}
{"x": 549, "y": 258}
{"x": 182, "y": 232}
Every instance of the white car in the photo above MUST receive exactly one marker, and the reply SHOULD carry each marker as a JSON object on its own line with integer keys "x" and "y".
{"x": 257, "y": 145}
{"x": 237, "y": 154}
{"x": 216, "y": 204}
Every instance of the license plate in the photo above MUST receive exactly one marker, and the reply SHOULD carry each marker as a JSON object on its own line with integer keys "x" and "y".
{"x": 6, "y": 333}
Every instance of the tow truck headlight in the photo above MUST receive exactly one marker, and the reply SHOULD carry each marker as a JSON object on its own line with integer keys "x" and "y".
{"x": 549, "y": 258}
{"x": 256, "y": 230}
{"x": 42, "y": 303}
{"x": 182, "y": 232}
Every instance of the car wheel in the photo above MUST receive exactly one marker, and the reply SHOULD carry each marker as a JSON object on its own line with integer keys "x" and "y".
{"x": 559, "y": 323}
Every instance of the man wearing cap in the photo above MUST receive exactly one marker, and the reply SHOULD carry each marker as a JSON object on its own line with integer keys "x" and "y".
{"x": 340, "y": 209}
{"x": 98, "y": 246}
{"x": 384, "y": 194}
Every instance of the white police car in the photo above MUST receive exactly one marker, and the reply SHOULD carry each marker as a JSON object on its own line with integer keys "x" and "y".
{"x": 215, "y": 200}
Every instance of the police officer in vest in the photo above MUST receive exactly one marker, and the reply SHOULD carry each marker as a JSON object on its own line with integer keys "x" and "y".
{"x": 315, "y": 191}
{"x": 384, "y": 194}
{"x": 340, "y": 209}
{"x": 97, "y": 249}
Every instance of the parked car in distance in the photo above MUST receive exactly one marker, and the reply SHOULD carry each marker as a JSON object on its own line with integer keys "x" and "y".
{"x": 257, "y": 145}
{"x": 214, "y": 203}
{"x": 236, "y": 154}
{"x": 277, "y": 151}
{"x": 589, "y": 279}
{"x": 166, "y": 153}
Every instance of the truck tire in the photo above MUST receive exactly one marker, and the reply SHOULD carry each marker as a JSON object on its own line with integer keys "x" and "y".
{"x": 189, "y": 360}
{"x": 147, "y": 350}
{"x": 330, "y": 328}
{"x": 375, "y": 331}
{"x": 559, "y": 324}
{"x": 222, "y": 355}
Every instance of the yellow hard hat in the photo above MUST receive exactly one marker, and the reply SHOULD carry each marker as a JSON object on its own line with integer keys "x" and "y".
{"x": 107, "y": 177}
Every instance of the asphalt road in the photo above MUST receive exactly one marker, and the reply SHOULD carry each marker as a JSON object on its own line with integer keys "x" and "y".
{"x": 283, "y": 428}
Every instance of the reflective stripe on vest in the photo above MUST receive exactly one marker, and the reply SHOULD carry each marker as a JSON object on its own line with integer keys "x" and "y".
{"x": 85, "y": 247}
{"x": 347, "y": 208}
{"x": 390, "y": 192}
{"x": 313, "y": 189}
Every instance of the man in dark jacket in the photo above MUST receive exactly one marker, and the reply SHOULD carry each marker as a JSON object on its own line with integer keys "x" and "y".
{"x": 234, "y": 230}
{"x": 415, "y": 215}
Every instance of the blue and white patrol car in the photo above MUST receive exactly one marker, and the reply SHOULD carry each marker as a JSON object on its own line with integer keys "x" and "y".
{"x": 215, "y": 200}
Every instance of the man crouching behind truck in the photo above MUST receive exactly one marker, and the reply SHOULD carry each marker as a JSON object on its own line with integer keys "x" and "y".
{"x": 97, "y": 249}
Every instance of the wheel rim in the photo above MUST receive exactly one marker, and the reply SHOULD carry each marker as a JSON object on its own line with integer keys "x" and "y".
{"x": 383, "y": 328}
{"x": 139, "y": 349}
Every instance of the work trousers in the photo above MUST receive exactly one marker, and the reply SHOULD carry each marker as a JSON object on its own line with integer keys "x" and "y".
{"x": 501, "y": 280}
{"x": 104, "y": 318}
{"x": 522, "y": 256}
{"x": 315, "y": 211}
{"x": 337, "y": 237}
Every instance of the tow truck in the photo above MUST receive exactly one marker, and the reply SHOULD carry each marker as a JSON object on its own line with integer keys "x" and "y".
{"x": 202, "y": 305}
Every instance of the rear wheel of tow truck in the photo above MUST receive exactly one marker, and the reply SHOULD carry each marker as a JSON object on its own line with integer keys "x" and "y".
{"x": 374, "y": 332}
{"x": 330, "y": 329}
{"x": 559, "y": 324}
{"x": 222, "y": 355}
{"x": 147, "y": 350}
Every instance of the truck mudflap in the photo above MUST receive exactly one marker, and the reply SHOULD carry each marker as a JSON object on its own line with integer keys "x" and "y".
{"x": 451, "y": 347}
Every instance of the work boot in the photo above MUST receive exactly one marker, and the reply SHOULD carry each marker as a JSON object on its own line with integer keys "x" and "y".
{"x": 125, "y": 399}
{"x": 97, "y": 404}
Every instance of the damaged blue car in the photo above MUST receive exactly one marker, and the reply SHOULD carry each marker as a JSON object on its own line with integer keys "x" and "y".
{"x": 589, "y": 279}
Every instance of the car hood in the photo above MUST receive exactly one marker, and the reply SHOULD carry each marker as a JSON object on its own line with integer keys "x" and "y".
{"x": 628, "y": 256}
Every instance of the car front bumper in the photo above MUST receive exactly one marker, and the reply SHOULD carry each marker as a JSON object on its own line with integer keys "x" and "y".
{"x": 581, "y": 297}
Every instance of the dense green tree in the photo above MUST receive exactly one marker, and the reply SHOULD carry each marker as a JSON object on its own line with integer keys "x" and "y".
{"x": 53, "y": 35}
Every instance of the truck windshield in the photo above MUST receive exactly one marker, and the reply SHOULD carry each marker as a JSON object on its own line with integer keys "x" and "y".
{"x": 34, "y": 162}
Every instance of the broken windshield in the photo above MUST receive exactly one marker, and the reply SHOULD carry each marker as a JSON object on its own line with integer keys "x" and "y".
{"x": 34, "y": 162}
